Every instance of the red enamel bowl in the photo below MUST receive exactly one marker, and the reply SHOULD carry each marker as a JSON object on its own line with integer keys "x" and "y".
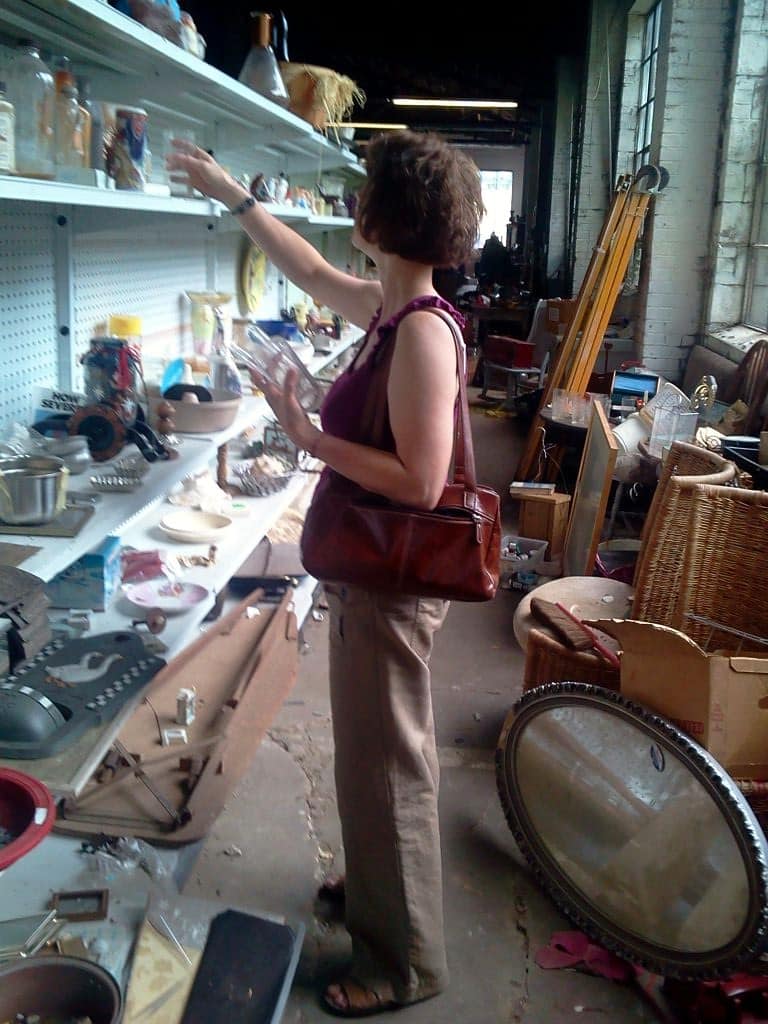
{"x": 27, "y": 812}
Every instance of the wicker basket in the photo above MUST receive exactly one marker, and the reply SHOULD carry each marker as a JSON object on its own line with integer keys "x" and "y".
{"x": 549, "y": 661}
{"x": 259, "y": 485}
{"x": 319, "y": 95}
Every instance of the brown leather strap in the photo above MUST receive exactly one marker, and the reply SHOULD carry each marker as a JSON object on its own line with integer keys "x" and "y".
{"x": 375, "y": 410}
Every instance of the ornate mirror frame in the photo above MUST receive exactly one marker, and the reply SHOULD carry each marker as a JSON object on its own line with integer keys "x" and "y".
{"x": 664, "y": 741}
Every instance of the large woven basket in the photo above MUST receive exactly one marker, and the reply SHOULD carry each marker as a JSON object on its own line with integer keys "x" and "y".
{"x": 549, "y": 661}
{"x": 319, "y": 95}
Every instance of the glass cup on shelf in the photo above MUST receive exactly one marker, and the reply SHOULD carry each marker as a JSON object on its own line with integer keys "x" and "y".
{"x": 272, "y": 358}
{"x": 177, "y": 188}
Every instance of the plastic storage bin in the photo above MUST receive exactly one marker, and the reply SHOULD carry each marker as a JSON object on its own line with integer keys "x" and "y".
{"x": 532, "y": 549}
{"x": 744, "y": 451}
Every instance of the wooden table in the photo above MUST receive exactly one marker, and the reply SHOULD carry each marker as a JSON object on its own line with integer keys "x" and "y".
{"x": 482, "y": 316}
{"x": 563, "y": 434}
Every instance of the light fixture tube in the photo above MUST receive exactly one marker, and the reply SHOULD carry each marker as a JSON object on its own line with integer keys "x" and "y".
{"x": 404, "y": 101}
{"x": 365, "y": 124}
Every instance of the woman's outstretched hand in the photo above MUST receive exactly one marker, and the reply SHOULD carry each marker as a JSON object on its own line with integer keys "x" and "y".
{"x": 191, "y": 165}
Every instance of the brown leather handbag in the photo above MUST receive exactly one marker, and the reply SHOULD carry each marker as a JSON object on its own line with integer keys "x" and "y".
{"x": 353, "y": 536}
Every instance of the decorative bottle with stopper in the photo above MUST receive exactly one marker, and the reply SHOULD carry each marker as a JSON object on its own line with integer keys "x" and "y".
{"x": 260, "y": 71}
{"x": 223, "y": 374}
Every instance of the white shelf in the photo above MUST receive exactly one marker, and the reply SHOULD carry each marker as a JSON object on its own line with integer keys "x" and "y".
{"x": 233, "y": 547}
{"x": 290, "y": 215}
{"x": 135, "y": 517}
{"x": 349, "y": 337}
{"x": 157, "y": 71}
{"x": 67, "y": 773}
{"x": 32, "y": 190}
{"x": 117, "y": 513}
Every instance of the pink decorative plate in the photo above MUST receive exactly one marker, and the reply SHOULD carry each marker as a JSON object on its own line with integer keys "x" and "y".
{"x": 167, "y": 595}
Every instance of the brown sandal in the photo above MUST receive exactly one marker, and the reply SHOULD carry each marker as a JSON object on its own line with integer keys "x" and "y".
{"x": 356, "y": 1000}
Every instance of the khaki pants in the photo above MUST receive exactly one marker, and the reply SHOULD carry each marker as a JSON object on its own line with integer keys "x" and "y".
{"x": 387, "y": 780}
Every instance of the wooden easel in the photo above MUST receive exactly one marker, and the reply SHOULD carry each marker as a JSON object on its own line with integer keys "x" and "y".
{"x": 576, "y": 356}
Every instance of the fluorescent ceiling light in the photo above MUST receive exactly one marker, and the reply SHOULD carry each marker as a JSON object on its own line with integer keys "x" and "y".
{"x": 485, "y": 104}
{"x": 366, "y": 124}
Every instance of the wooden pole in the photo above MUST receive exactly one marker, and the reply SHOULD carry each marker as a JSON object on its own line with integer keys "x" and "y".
{"x": 597, "y": 297}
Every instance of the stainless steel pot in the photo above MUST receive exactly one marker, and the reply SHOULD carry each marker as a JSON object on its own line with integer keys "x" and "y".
{"x": 32, "y": 489}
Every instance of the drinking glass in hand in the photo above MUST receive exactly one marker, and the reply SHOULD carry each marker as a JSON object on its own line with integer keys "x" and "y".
{"x": 272, "y": 358}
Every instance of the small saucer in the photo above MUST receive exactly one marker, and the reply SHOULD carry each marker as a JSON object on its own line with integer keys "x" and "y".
{"x": 168, "y": 595}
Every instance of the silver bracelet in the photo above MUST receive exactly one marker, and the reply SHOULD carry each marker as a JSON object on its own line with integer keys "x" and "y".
{"x": 246, "y": 204}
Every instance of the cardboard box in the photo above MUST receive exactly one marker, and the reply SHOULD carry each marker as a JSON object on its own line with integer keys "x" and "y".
{"x": 719, "y": 699}
{"x": 89, "y": 582}
{"x": 559, "y": 314}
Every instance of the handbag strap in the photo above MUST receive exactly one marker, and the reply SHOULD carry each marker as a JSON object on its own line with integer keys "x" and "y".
{"x": 374, "y": 411}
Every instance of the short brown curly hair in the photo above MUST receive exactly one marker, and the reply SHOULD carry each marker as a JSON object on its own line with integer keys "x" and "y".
{"x": 422, "y": 199}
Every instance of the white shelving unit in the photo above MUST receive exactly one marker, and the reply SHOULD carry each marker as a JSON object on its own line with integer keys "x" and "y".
{"x": 164, "y": 77}
{"x": 68, "y": 253}
{"x": 60, "y": 194}
{"x": 72, "y": 254}
{"x": 135, "y": 517}
{"x": 130, "y": 515}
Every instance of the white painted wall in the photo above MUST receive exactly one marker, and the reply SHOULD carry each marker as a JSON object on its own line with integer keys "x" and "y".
{"x": 502, "y": 158}
{"x": 693, "y": 69}
{"x": 691, "y": 113}
{"x": 744, "y": 124}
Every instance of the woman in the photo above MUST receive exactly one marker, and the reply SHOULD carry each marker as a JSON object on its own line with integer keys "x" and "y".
{"x": 419, "y": 209}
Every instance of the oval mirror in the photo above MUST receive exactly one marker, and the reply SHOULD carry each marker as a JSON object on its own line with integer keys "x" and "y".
{"x": 637, "y": 833}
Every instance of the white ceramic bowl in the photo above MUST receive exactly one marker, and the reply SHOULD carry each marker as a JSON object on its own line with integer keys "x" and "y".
{"x": 199, "y": 417}
{"x": 191, "y": 526}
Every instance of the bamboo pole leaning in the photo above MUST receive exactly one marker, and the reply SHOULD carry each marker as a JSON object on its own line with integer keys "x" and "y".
{"x": 575, "y": 359}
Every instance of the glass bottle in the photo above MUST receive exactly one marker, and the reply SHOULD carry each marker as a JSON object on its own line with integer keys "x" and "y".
{"x": 69, "y": 136}
{"x": 260, "y": 71}
{"x": 31, "y": 91}
{"x": 86, "y": 118}
{"x": 62, "y": 73}
{"x": 223, "y": 373}
{"x": 7, "y": 132}
{"x": 94, "y": 152}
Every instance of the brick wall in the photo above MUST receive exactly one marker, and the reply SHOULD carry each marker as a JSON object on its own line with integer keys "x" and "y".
{"x": 670, "y": 296}
{"x": 746, "y": 88}
{"x": 697, "y": 34}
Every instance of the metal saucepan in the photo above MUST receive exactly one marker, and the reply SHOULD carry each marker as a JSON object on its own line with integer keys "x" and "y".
{"x": 33, "y": 489}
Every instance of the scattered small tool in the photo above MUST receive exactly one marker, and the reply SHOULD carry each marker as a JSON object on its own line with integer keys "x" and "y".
{"x": 570, "y": 630}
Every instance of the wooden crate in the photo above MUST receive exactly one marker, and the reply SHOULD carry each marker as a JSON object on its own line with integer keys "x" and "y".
{"x": 544, "y": 517}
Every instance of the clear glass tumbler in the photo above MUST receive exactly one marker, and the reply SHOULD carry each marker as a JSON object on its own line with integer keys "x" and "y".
{"x": 272, "y": 358}
{"x": 177, "y": 188}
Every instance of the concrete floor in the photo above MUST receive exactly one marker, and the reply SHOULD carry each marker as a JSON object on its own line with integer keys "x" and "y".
{"x": 279, "y": 834}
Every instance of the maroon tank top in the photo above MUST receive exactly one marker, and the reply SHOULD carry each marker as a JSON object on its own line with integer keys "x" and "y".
{"x": 342, "y": 410}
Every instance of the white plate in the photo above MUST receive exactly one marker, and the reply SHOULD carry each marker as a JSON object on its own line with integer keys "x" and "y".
{"x": 167, "y": 595}
{"x": 191, "y": 526}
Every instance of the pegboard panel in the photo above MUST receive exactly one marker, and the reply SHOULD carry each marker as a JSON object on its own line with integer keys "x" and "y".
{"x": 28, "y": 339}
{"x": 140, "y": 264}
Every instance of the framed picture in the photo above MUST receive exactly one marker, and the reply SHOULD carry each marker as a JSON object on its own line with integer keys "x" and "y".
{"x": 590, "y": 497}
